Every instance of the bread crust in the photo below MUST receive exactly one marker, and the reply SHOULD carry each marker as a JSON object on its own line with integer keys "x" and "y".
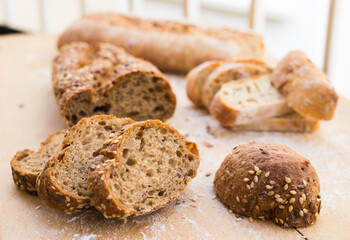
{"x": 171, "y": 46}
{"x": 102, "y": 197}
{"x": 84, "y": 75}
{"x": 269, "y": 182}
{"x": 305, "y": 86}
{"x": 24, "y": 180}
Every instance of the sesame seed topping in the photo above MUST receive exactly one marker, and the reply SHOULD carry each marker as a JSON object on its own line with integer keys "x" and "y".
{"x": 243, "y": 209}
{"x": 272, "y": 204}
{"x": 237, "y": 199}
{"x": 100, "y": 172}
{"x": 246, "y": 179}
{"x": 71, "y": 208}
{"x": 277, "y": 196}
{"x": 281, "y": 220}
{"x": 305, "y": 183}
{"x": 251, "y": 184}
{"x": 251, "y": 172}
{"x": 292, "y": 200}
{"x": 98, "y": 166}
{"x": 109, "y": 196}
{"x": 238, "y": 219}
{"x": 290, "y": 209}
{"x": 67, "y": 199}
{"x": 301, "y": 213}
{"x": 301, "y": 186}
{"x": 230, "y": 211}
{"x": 244, "y": 200}
{"x": 285, "y": 187}
{"x": 258, "y": 172}
{"x": 272, "y": 182}
{"x": 250, "y": 219}
{"x": 102, "y": 177}
{"x": 301, "y": 200}
{"x": 214, "y": 197}
{"x": 247, "y": 186}
{"x": 244, "y": 162}
{"x": 257, "y": 208}
{"x": 256, "y": 178}
{"x": 267, "y": 174}
{"x": 279, "y": 200}
{"x": 281, "y": 206}
{"x": 293, "y": 192}
{"x": 305, "y": 210}
{"x": 268, "y": 187}
{"x": 288, "y": 180}
{"x": 256, "y": 168}
{"x": 276, "y": 219}
{"x": 303, "y": 196}
{"x": 270, "y": 193}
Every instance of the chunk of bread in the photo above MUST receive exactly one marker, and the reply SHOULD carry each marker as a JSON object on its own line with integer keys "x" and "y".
{"x": 170, "y": 45}
{"x": 246, "y": 101}
{"x": 62, "y": 184}
{"x": 269, "y": 182}
{"x": 27, "y": 164}
{"x": 290, "y": 122}
{"x": 230, "y": 71}
{"x": 146, "y": 165}
{"x": 103, "y": 79}
{"x": 305, "y": 86}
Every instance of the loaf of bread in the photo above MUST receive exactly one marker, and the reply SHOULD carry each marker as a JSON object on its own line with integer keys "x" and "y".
{"x": 269, "y": 182}
{"x": 305, "y": 86}
{"x": 246, "y": 101}
{"x": 103, "y": 79}
{"x": 290, "y": 122}
{"x": 171, "y": 46}
{"x": 62, "y": 184}
{"x": 146, "y": 165}
{"x": 27, "y": 164}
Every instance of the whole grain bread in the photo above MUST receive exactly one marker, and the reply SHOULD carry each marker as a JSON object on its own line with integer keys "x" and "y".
{"x": 230, "y": 71}
{"x": 104, "y": 79}
{"x": 305, "y": 86}
{"x": 62, "y": 184}
{"x": 27, "y": 164}
{"x": 146, "y": 165}
{"x": 246, "y": 101}
{"x": 290, "y": 122}
{"x": 269, "y": 182}
{"x": 171, "y": 46}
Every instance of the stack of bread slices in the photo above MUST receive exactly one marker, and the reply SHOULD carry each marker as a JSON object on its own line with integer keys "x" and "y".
{"x": 115, "y": 165}
{"x": 250, "y": 95}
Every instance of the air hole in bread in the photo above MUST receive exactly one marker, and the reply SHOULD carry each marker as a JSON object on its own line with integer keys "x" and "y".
{"x": 82, "y": 113}
{"x": 74, "y": 119}
{"x": 190, "y": 173}
{"x": 131, "y": 162}
{"x": 159, "y": 108}
{"x": 107, "y": 128}
{"x": 178, "y": 153}
{"x": 125, "y": 152}
{"x": 104, "y": 108}
{"x": 150, "y": 173}
{"x": 102, "y": 123}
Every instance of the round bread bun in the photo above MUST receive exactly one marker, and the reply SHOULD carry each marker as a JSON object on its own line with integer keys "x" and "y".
{"x": 269, "y": 182}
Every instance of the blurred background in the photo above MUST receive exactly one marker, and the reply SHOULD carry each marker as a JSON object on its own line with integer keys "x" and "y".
{"x": 285, "y": 24}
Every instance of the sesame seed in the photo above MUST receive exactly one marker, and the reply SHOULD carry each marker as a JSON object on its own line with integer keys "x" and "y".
{"x": 246, "y": 179}
{"x": 277, "y": 196}
{"x": 305, "y": 183}
{"x": 98, "y": 166}
{"x": 251, "y": 184}
{"x": 250, "y": 219}
{"x": 109, "y": 196}
{"x": 67, "y": 199}
{"x": 243, "y": 209}
{"x": 247, "y": 186}
{"x": 304, "y": 196}
{"x": 244, "y": 162}
{"x": 258, "y": 172}
{"x": 256, "y": 179}
{"x": 288, "y": 180}
{"x": 102, "y": 177}
{"x": 293, "y": 192}
{"x": 270, "y": 193}
{"x": 71, "y": 208}
{"x": 281, "y": 206}
{"x": 268, "y": 187}
{"x": 244, "y": 200}
{"x": 279, "y": 200}
{"x": 301, "y": 213}
{"x": 292, "y": 200}
{"x": 251, "y": 172}
{"x": 301, "y": 200}
{"x": 230, "y": 211}
{"x": 256, "y": 168}
{"x": 290, "y": 209}
{"x": 103, "y": 206}
{"x": 237, "y": 199}
{"x": 261, "y": 217}
{"x": 68, "y": 204}
{"x": 214, "y": 197}
{"x": 272, "y": 204}
{"x": 267, "y": 174}
{"x": 272, "y": 182}
{"x": 305, "y": 210}
{"x": 281, "y": 220}
{"x": 285, "y": 186}
{"x": 276, "y": 219}
{"x": 257, "y": 208}
{"x": 238, "y": 219}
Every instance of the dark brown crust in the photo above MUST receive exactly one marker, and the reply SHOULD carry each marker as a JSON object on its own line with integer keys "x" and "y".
{"x": 98, "y": 188}
{"x": 172, "y": 46}
{"x": 89, "y": 72}
{"x": 47, "y": 186}
{"x": 26, "y": 181}
{"x": 305, "y": 86}
{"x": 251, "y": 172}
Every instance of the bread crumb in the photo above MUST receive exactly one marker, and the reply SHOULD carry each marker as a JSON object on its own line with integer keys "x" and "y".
{"x": 238, "y": 219}
{"x": 250, "y": 219}
{"x": 208, "y": 174}
{"x": 207, "y": 144}
{"x": 194, "y": 198}
{"x": 214, "y": 197}
{"x": 230, "y": 211}
{"x": 21, "y": 105}
{"x": 193, "y": 205}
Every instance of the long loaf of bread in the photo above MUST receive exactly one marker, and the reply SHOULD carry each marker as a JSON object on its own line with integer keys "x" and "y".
{"x": 171, "y": 46}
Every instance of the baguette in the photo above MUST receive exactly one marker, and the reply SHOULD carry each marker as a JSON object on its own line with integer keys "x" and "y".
{"x": 171, "y": 46}
{"x": 290, "y": 122}
{"x": 62, "y": 183}
{"x": 245, "y": 101}
{"x": 27, "y": 164}
{"x": 305, "y": 86}
{"x": 103, "y": 79}
{"x": 147, "y": 164}
{"x": 229, "y": 71}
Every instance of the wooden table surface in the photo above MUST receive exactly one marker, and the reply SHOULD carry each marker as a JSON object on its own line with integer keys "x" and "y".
{"x": 29, "y": 112}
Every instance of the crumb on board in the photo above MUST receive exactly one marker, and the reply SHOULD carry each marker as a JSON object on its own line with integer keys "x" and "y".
{"x": 21, "y": 105}
{"x": 207, "y": 144}
{"x": 214, "y": 197}
{"x": 208, "y": 174}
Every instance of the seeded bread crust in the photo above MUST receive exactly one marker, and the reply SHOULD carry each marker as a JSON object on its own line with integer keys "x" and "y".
{"x": 305, "y": 86}
{"x": 171, "y": 46}
{"x": 99, "y": 183}
{"x": 230, "y": 71}
{"x": 50, "y": 189}
{"x": 104, "y": 79}
{"x": 25, "y": 179}
{"x": 269, "y": 182}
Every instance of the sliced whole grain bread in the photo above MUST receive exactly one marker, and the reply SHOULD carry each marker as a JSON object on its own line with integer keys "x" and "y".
{"x": 246, "y": 101}
{"x": 230, "y": 71}
{"x": 62, "y": 183}
{"x": 146, "y": 165}
{"x": 27, "y": 164}
{"x": 103, "y": 79}
{"x": 290, "y": 122}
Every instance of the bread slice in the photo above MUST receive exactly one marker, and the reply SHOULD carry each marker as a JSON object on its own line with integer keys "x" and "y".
{"x": 245, "y": 101}
{"x": 196, "y": 78}
{"x": 230, "y": 71}
{"x": 27, "y": 164}
{"x": 103, "y": 79}
{"x": 62, "y": 184}
{"x": 290, "y": 122}
{"x": 146, "y": 165}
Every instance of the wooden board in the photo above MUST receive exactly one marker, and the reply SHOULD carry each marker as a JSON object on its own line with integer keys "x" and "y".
{"x": 29, "y": 112}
